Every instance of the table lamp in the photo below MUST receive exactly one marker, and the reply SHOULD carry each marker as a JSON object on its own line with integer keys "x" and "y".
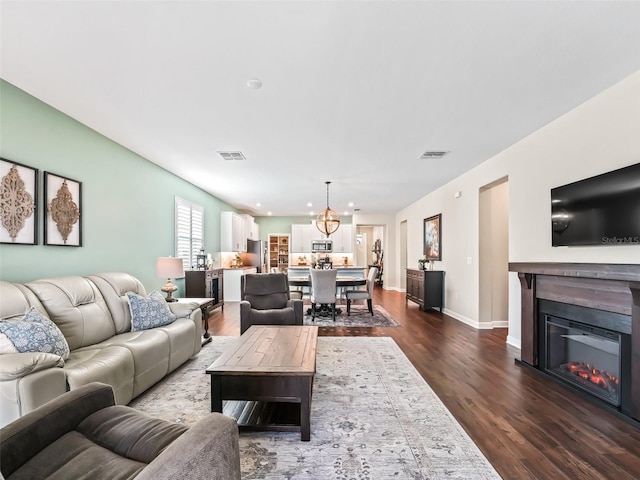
{"x": 169, "y": 267}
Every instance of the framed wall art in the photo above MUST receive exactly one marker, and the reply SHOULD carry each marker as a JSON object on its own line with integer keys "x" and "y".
{"x": 63, "y": 211}
{"x": 18, "y": 203}
{"x": 433, "y": 237}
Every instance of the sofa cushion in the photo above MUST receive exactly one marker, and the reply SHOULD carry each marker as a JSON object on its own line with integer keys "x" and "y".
{"x": 113, "y": 365}
{"x": 77, "y": 307}
{"x": 149, "y": 312}
{"x": 130, "y": 433}
{"x": 75, "y": 456}
{"x": 114, "y": 287}
{"x": 33, "y": 333}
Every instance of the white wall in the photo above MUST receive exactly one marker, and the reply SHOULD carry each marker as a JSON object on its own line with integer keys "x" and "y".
{"x": 389, "y": 243}
{"x": 493, "y": 256}
{"x": 596, "y": 137}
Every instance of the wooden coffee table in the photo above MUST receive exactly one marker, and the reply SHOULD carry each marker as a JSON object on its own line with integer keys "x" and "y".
{"x": 270, "y": 371}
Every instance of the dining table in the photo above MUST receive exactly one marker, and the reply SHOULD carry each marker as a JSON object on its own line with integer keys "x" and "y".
{"x": 341, "y": 282}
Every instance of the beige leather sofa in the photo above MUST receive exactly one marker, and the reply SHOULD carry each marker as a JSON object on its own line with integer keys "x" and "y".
{"x": 93, "y": 314}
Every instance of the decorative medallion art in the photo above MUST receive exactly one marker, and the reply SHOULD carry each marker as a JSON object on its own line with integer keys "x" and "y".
{"x": 63, "y": 205}
{"x": 18, "y": 200}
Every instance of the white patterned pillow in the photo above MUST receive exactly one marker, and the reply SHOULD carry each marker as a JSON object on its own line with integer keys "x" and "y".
{"x": 149, "y": 312}
{"x": 34, "y": 333}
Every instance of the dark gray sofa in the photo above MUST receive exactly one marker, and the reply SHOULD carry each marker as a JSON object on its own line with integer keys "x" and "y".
{"x": 82, "y": 434}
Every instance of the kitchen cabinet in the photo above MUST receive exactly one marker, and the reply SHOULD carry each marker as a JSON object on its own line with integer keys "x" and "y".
{"x": 205, "y": 284}
{"x": 232, "y": 292}
{"x": 426, "y": 288}
{"x": 301, "y": 238}
{"x": 279, "y": 252}
{"x": 251, "y": 228}
{"x": 232, "y": 232}
{"x": 342, "y": 239}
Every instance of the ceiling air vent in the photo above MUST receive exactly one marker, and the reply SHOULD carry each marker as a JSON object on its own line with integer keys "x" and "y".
{"x": 432, "y": 154}
{"x": 232, "y": 155}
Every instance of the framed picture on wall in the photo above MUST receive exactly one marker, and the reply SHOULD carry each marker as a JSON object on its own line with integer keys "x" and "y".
{"x": 18, "y": 203}
{"x": 433, "y": 237}
{"x": 63, "y": 211}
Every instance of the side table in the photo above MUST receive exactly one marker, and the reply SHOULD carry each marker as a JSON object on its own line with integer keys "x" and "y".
{"x": 204, "y": 304}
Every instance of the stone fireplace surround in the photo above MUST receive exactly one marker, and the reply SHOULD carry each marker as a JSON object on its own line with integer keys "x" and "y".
{"x": 609, "y": 287}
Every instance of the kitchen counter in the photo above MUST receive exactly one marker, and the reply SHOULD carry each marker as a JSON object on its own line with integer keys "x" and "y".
{"x": 232, "y": 278}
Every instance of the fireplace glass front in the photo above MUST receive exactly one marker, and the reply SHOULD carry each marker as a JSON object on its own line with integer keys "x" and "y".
{"x": 585, "y": 356}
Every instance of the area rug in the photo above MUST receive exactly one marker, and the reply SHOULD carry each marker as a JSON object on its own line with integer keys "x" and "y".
{"x": 360, "y": 317}
{"x": 373, "y": 417}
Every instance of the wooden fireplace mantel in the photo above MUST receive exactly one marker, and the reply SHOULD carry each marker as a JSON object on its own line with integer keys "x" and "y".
{"x": 609, "y": 287}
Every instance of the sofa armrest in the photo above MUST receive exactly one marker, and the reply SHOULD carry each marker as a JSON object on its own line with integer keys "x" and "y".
{"x": 296, "y": 303}
{"x": 184, "y": 309}
{"x": 17, "y": 365}
{"x": 208, "y": 450}
{"x": 22, "y": 439}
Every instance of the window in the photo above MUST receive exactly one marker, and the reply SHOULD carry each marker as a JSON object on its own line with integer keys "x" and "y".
{"x": 189, "y": 231}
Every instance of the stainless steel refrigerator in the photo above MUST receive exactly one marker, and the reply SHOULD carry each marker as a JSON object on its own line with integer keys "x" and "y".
{"x": 256, "y": 255}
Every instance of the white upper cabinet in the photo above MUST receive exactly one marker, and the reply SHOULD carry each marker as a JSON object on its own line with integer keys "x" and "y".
{"x": 301, "y": 237}
{"x": 343, "y": 239}
{"x": 233, "y": 237}
{"x": 251, "y": 228}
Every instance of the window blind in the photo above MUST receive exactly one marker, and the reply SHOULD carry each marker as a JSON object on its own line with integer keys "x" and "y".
{"x": 189, "y": 231}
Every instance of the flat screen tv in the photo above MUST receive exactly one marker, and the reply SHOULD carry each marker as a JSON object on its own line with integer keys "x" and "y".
{"x": 601, "y": 210}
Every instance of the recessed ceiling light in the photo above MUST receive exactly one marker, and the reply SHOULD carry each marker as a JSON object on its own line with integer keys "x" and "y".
{"x": 258, "y": 204}
{"x": 254, "y": 83}
{"x": 309, "y": 204}
{"x": 269, "y": 213}
{"x": 346, "y": 213}
{"x": 311, "y": 212}
{"x": 351, "y": 204}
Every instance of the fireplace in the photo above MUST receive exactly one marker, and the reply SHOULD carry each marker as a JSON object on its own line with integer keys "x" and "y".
{"x": 587, "y": 349}
{"x": 581, "y": 327}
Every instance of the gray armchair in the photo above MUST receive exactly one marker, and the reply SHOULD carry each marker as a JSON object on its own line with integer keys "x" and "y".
{"x": 83, "y": 434}
{"x": 266, "y": 301}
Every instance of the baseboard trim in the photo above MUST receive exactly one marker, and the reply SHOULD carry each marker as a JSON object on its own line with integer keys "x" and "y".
{"x": 466, "y": 320}
{"x": 514, "y": 342}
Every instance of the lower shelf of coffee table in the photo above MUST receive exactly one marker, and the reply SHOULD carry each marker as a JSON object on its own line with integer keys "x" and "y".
{"x": 253, "y": 415}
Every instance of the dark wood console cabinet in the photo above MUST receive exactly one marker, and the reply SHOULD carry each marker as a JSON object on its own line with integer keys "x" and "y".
{"x": 426, "y": 288}
{"x": 205, "y": 284}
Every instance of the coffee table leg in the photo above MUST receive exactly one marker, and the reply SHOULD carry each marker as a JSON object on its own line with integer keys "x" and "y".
{"x": 216, "y": 394}
{"x": 305, "y": 408}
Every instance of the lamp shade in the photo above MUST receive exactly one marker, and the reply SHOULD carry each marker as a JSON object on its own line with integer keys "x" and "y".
{"x": 169, "y": 267}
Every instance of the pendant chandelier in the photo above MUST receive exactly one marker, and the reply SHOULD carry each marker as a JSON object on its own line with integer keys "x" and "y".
{"x": 328, "y": 221}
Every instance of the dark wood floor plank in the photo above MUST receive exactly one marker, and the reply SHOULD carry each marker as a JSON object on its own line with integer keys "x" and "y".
{"x": 527, "y": 426}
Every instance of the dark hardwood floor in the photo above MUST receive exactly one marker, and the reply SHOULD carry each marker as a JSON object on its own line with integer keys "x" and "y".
{"x": 527, "y": 426}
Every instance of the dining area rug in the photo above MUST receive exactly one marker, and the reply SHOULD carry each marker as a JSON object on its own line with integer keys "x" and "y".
{"x": 372, "y": 417}
{"x": 360, "y": 317}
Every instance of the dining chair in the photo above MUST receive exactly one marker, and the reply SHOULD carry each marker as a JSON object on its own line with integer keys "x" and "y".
{"x": 323, "y": 290}
{"x": 363, "y": 294}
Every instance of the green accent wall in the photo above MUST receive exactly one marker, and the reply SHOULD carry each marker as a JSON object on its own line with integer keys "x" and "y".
{"x": 127, "y": 201}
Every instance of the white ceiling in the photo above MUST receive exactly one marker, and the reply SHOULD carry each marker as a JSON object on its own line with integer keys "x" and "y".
{"x": 353, "y": 91}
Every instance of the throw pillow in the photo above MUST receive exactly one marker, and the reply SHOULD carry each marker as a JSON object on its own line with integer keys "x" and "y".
{"x": 34, "y": 333}
{"x": 149, "y": 312}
